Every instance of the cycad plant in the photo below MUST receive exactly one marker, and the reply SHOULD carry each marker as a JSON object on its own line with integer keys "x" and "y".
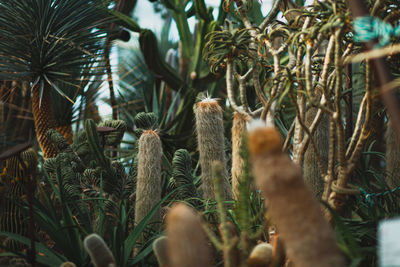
{"x": 46, "y": 42}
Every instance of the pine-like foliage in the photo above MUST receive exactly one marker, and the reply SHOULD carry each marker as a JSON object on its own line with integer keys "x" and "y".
{"x": 182, "y": 177}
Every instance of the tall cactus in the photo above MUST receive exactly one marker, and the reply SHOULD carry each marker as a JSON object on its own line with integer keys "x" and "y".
{"x": 148, "y": 185}
{"x": 187, "y": 243}
{"x": 238, "y": 132}
{"x": 308, "y": 237}
{"x": 210, "y": 142}
{"x": 98, "y": 251}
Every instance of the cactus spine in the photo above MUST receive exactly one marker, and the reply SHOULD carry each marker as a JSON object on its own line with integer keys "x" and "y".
{"x": 238, "y": 131}
{"x": 210, "y": 142}
{"x": 148, "y": 185}
{"x": 292, "y": 204}
{"x": 98, "y": 251}
{"x": 187, "y": 243}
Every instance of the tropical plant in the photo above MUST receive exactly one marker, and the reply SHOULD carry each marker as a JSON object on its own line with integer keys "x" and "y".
{"x": 46, "y": 43}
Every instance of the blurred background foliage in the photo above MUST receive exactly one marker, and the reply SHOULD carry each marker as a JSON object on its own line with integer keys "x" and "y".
{"x": 156, "y": 81}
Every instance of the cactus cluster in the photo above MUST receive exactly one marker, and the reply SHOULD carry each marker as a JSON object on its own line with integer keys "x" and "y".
{"x": 187, "y": 237}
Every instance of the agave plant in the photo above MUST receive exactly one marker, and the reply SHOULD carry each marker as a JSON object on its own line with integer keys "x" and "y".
{"x": 46, "y": 42}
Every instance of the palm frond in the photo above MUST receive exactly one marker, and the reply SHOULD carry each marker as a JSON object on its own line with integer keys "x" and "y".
{"x": 49, "y": 40}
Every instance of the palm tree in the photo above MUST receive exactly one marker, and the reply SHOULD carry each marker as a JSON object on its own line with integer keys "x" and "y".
{"x": 48, "y": 42}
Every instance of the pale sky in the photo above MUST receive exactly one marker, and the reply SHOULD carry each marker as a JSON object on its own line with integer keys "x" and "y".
{"x": 147, "y": 18}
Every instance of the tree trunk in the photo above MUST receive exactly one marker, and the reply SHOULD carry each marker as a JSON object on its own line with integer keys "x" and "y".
{"x": 43, "y": 118}
{"x": 392, "y": 157}
{"x": 311, "y": 173}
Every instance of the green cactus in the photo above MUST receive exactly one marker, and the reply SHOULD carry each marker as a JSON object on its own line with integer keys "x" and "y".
{"x": 85, "y": 172}
{"x": 114, "y": 138}
{"x": 149, "y": 48}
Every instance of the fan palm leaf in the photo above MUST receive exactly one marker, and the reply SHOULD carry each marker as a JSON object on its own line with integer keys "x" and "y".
{"x": 47, "y": 42}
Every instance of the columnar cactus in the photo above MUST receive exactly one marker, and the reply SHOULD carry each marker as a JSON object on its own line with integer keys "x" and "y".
{"x": 187, "y": 245}
{"x": 160, "y": 250}
{"x": 148, "y": 185}
{"x": 308, "y": 237}
{"x": 238, "y": 131}
{"x": 98, "y": 251}
{"x": 210, "y": 142}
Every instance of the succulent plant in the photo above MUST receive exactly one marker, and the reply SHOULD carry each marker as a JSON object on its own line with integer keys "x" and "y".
{"x": 148, "y": 182}
{"x": 291, "y": 204}
{"x": 210, "y": 142}
{"x": 98, "y": 251}
{"x": 187, "y": 243}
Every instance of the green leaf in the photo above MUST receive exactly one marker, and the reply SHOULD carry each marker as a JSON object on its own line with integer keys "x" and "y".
{"x": 49, "y": 257}
{"x": 125, "y": 21}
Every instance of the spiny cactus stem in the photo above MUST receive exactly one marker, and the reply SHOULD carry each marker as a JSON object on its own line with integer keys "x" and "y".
{"x": 228, "y": 244}
{"x": 30, "y": 183}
